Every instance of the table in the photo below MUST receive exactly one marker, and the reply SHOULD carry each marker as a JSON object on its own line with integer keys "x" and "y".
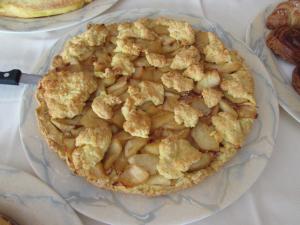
{"x": 273, "y": 199}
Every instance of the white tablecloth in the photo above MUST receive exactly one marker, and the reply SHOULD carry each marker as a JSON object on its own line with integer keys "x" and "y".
{"x": 273, "y": 199}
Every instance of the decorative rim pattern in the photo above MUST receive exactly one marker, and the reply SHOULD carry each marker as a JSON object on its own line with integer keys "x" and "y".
{"x": 29, "y": 201}
{"x": 186, "y": 206}
{"x": 255, "y": 38}
{"x": 16, "y": 25}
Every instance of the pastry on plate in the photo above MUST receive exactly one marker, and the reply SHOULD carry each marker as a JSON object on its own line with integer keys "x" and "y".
{"x": 38, "y": 8}
{"x": 285, "y": 42}
{"x": 146, "y": 107}
{"x": 284, "y": 39}
{"x": 285, "y": 14}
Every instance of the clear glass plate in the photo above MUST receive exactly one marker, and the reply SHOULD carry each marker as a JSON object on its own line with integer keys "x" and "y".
{"x": 281, "y": 71}
{"x": 198, "y": 202}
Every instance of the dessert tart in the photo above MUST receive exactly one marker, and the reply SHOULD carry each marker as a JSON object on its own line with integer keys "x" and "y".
{"x": 38, "y": 8}
{"x": 146, "y": 107}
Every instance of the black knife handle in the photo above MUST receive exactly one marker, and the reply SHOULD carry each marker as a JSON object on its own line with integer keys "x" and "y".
{"x": 10, "y": 77}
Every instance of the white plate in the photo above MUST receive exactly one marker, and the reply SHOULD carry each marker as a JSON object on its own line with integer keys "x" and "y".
{"x": 186, "y": 206}
{"x": 29, "y": 201}
{"x": 281, "y": 72}
{"x": 12, "y": 25}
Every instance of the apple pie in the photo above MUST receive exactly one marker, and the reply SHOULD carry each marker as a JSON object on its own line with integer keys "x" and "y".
{"x": 146, "y": 107}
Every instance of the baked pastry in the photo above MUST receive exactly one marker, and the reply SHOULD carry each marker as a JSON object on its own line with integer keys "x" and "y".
{"x": 285, "y": 14}
{"x": 147, "y": 107}
{"x": 285, "y": 42}
{"x": 296, "y": 79}
{"x": 38, "y": 8}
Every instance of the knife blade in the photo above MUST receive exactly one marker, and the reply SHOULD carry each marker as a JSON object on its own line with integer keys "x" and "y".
{"x": 15, "y": 77}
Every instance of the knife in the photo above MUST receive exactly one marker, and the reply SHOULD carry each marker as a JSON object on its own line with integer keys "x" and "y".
{"x": 15, "y": 77}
